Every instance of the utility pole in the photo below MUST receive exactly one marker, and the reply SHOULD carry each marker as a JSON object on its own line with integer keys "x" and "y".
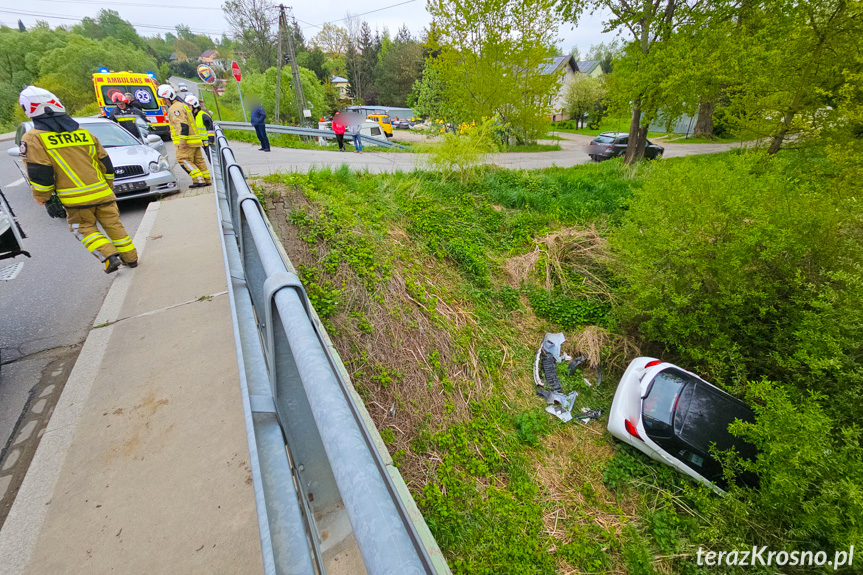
{"x": 295, "y": 71}
{"x": 279, "y": 65}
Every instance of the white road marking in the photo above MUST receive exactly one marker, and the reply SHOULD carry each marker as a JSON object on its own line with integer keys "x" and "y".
{"x": 17, "y": 182}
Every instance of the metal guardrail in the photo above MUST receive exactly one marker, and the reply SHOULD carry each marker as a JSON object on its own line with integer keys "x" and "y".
{"x": 314, "y": 132}
{"x": 319, "y": 480}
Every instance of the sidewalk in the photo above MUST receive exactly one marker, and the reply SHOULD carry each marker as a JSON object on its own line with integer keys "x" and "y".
{"x": 144, "y": 465}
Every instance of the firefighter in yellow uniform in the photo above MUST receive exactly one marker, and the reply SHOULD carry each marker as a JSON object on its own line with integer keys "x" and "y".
{"x": 204, "y": 122}
{"x": 63, "y": 159}
{"x": 184, "y": 133}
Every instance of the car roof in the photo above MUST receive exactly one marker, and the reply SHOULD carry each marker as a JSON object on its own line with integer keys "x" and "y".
{"x": 93, "y": 120}
{"x": 615, "y": 134}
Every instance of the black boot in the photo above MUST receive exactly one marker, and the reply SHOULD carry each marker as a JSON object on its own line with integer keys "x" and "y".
{"x": 112, "y": 263}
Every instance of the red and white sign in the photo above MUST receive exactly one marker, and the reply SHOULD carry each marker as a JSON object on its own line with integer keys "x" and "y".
{"x": 235, "y": 70}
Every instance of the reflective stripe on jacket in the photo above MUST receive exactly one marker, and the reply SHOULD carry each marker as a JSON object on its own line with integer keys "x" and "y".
{"x": 205, "y": 127}
{"x": 80, "y": 178}
{"x": 183, "y": 127}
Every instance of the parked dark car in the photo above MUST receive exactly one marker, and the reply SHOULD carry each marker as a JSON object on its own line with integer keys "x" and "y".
{"x": 674, "y": 416}
{"x": 403, "y": 124}
{"x": 609, "y": 145}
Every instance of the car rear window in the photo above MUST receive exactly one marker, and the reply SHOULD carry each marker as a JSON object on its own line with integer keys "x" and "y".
{"x": 662, "y": 395}
{"x": 603, "y": 139}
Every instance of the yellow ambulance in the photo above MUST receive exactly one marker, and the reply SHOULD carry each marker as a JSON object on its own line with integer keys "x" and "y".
{"x": 142, "y": 87}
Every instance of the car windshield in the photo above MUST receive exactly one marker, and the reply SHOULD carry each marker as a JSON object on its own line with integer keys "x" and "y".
{"x": 111, "y": 135}
{"x": 661, "y": 398}
{"x": 603, "y": 139}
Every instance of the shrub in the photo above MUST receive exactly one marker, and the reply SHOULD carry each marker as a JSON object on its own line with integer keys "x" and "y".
{"x": 745, "y": 266}
{"x": 811, "y": 472}
{"x": 461, "y": 153}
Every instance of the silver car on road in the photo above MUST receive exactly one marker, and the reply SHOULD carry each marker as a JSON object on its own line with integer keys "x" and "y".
{"x": 141, "y": 167}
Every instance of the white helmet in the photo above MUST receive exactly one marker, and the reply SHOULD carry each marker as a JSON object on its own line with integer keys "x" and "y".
{"x": 193, "y": 101}
{"x": 167, "y": 92}
{"x": 37, "y": 101}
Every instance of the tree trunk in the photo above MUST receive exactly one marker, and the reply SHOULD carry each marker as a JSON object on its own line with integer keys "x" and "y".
{"x": 704, "y": 123}
{"x": 632, "y": 147}
{"x": 779, "y": 137}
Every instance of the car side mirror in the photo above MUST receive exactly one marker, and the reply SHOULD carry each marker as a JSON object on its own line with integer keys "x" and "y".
{"x": 14, "y": 151}
{"x": 153, "y": 139}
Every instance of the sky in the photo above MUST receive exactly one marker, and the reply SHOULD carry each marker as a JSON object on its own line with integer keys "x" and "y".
{"x": 205, "y": 16}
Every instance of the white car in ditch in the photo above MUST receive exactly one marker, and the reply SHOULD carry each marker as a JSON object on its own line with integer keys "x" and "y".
{"x": 675, "y": 417}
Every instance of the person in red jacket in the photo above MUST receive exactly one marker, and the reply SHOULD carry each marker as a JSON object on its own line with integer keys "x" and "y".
{"x": 339, "y": 129}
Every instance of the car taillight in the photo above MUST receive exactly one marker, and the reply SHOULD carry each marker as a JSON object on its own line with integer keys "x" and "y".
{"x": 652, "y": 363}
{"x": 630, "y": 428}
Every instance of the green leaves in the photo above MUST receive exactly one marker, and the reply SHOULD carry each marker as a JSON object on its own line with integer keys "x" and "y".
{"x": 492, "y": 59}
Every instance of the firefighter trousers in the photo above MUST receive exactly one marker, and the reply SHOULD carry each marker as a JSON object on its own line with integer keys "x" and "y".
{"x": 192, "y": 160}
{"x": 83, "y": 223}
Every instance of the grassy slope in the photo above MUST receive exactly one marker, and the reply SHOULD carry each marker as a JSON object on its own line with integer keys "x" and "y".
{"x": 437, "y": 295}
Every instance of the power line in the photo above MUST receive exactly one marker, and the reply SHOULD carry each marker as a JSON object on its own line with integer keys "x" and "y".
{"x": 76, "y": 19}
{"x": 358, "y": 15}
{"x": 131, "y": 4}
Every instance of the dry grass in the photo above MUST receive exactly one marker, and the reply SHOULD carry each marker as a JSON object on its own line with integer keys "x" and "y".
{"x": 571, "y": 473}
{"x": 580, "y": 250}
{"x": 390, "y": 364}
{"x": 598, "y": 344}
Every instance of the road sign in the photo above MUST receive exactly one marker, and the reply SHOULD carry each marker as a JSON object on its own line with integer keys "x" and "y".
{"x": 206, "y": 74}
{"x": 235, "y": 70}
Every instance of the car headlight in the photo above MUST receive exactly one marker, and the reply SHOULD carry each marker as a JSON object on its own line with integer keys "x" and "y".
{"x": 159, "y": 166}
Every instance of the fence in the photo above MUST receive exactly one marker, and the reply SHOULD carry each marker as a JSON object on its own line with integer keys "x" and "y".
{"x": 313, "y": 132}
{"x": 322, "y": 486}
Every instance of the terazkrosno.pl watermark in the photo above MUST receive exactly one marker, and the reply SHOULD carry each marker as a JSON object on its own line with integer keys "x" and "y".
{"x": 762, "y": 556}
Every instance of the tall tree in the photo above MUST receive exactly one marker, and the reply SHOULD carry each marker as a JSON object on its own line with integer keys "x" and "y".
{"x": 332, "y": 40}
{"x": 817, "y": 38}
{"x": 583, "y": 96}
{"x": 253, "y": 23}
{"x": 493, "y": 60}
{"x": 108, "y": 24}
{"x": 314, "y": 60}
{"x": 648, "y": 23}
{"x": 400, "y": 65}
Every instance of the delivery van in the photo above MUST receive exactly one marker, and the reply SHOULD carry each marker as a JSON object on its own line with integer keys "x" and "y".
{"x": 142, "y": 87}
{"x": 383, "y": 120}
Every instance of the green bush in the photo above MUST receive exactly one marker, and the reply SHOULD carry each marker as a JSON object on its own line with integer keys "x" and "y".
{"x": 745, "y": 266}
{"x": 811, "y": 472}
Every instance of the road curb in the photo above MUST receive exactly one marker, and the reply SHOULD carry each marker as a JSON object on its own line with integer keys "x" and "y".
{"x": 23, "y": 525}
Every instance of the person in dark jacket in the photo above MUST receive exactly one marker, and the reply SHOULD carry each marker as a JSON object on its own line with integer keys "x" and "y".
{"x": 125, "y": 115}
{"x": 259, "y": 118}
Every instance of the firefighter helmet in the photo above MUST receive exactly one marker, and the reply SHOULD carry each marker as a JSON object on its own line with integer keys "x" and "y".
{"x": 118, "y": 97}
{"x": 37, "y": 101}
{"x": 193, "y": 101}
{"x": 167, "y": 92}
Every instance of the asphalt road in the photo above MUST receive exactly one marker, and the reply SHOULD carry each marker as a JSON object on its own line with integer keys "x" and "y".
{"x": 573, "y": 152}
{"x": 61, "y": 287}
{"x": 49, "y": 308}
